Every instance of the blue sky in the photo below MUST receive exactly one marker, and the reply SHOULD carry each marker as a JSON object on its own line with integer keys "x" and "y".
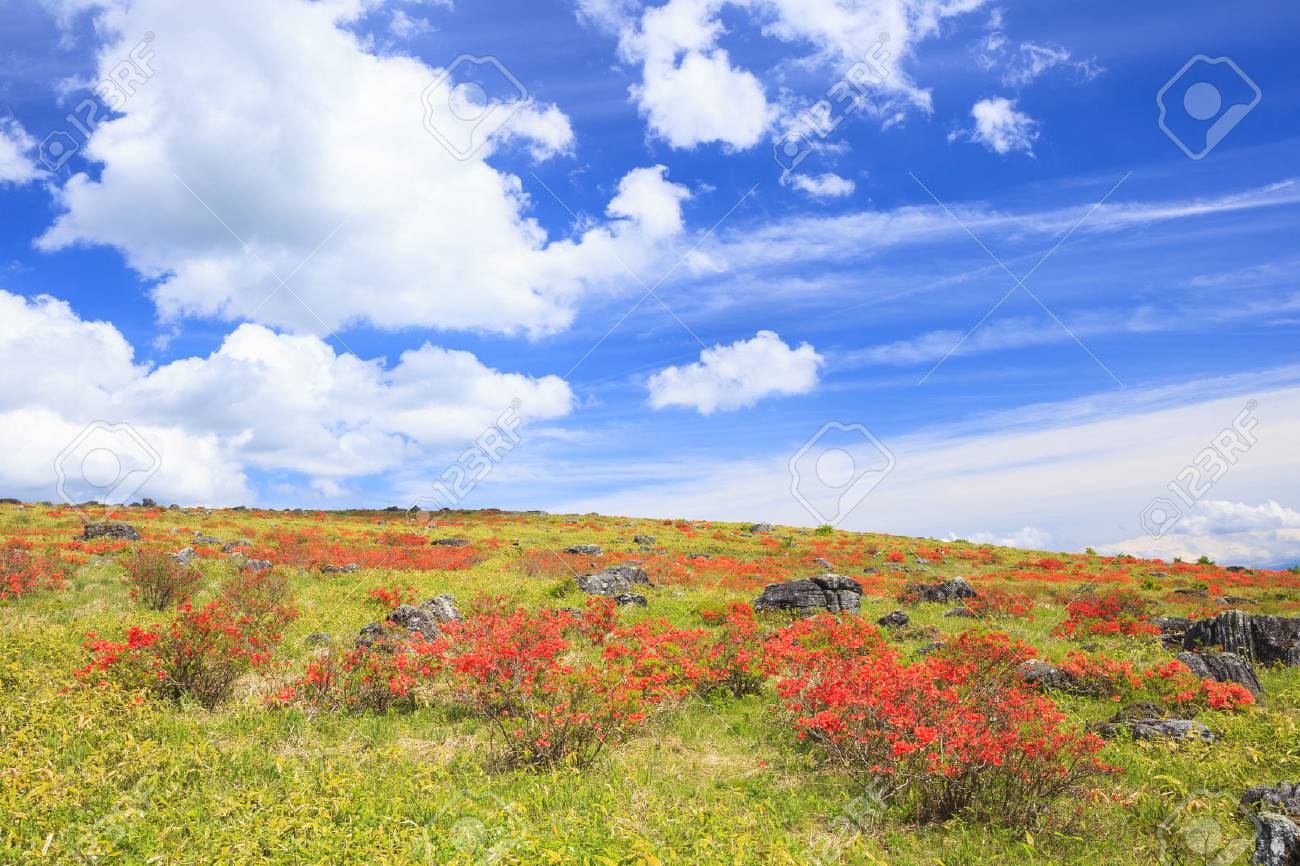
{"x": 999, "y": 265}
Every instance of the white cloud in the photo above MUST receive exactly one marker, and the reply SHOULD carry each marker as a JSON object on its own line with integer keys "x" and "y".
{"x": 826, "y": 185}
{"x": 1023, "y": 63}
{"x": 691, "y": 92}
{"x": 1001, "y": 128}
{"x": 302, "y": 140}
{"x": 1227, "y": 532}
{"x": 1026, "y": 538}
{"x": 404, "y": 26}
{"x": 645, "y": 196}
{"x": 1079, "y": 469}
{"x": 262, "y": 400}
{"x": 16, "y": 146}
{"x": 738, "y": 375}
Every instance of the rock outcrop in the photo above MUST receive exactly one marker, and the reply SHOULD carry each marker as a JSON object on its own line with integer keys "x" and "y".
{"x": 825, "y": 592}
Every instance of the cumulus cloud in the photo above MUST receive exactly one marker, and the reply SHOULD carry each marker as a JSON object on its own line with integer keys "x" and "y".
{"x": 645, "y": 196}
{"x": 1228, "y": 532}
{"x": 1000, "y": 127}
{"x": 16, "y": 147}
{"x": 263, "y": 400}
{"x": 738, "y": 375}
{"x": 314, "y": 153}
{"x": 826, "y": 185}
{"x": 1026, "y": 538}
{"x": 692, "y": 92}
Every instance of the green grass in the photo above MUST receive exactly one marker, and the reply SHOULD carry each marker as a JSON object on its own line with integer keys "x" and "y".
{"x": 88, "y": 775}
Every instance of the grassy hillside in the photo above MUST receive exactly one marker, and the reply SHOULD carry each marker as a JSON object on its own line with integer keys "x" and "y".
{"x": 110, "y": 774}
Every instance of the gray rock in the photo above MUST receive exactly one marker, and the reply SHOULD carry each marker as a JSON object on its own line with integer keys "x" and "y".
{"x": 897, "y": 619}
{"x": 1160, "y": 729}
{"x": 585, "y": 549}
{"x": 340, "y": 569}
{"x": 829, "y": 592}
{"x": 185, "y": 556}
{"x": 613, "y": 581}
{"x": 450, "y": 542}
{"x": 204, "y": 539}
{"x": 631, "y": 598}
{"x": 823, "y": 563}
{"x": 1261, "y": 639}
{"x": 442, "y": 608}
{"x": 699, "y": 556}
{"x": 255, "y": 564}
{"x": 406, "y": 622}
{"x": 109, "y": 529}
{"x": 761, "y": 528}
{"x": 1283, "y": 797}
{"x": 1047, "y": 675}
{"x": 1171, "y": 624}
{"x": 232, "y": 546}
{"x": 1223, "y": 668}
{"x": 643, "y": 539}
{"x": 964, "y": 612}
{"x": 1277, "y": 841}
{"x": 318, "y": 638}
{"x": 953, "y": 589}
{"x": 929, "y": 648}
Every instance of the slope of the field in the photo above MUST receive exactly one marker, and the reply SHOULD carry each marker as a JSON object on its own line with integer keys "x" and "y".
{"x": 93, "y": 773}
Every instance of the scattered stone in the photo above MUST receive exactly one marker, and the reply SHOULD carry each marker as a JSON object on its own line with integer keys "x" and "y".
{"x": 613, "y": 581}
{"x": 185, "y": 556}
{"x": 699, "y": 556}
{"x": 897, "y": 619}
{"x": 1223, "y": 668}
{"x": 929, "y": 648}
{"x": 318, "y": 638}
{"x": 256, "y": 564}
{"x": 120, "y": 531}
{"x": 1261, "y": 639}
{"x": 10, "y": 501}
{"x": 1283, "y": 797}
{"x": 585, "y": 549}
{"x": 204, "y": 539}
{"x": 1139, "y": 711}
{"x": 962, "y": 612}
{"x": 1047, "y": 675}
{"x": 231, "y": 546}
{"x": 1192, "y": 593}
{"x": 1277, "y": 841}
{"x": 631, "y": 598}
{"x": 823, "y": 563}
{"x": 340, "y": 569}
{"x": 1234, "y": 600}
{"x": 832, "y": 592}
{"x": 450, "y": 542}
{"x": 416, "y": 621}
{"x": 1171, "y": 624}
{"x": 1159, "y": 729}
{"x": 442, "y": 608}
{"x": 953, "y": 589}
{"x": 1235, "y": 569}
{"x": 643, "y": 539}
{"x": 761, "y": 528}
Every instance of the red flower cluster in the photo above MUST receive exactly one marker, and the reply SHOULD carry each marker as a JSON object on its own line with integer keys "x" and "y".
{"x": 1119, "y": 611}
{"x": 994, "y": 603}
{"x": 159, "y": 580}
{"x": 23, "y": 572}
{"x": 394, "y": 596}
{"x": 1169, "y": 683}
{"x": 202, "y": 653}
{"x": 949, "y": 734}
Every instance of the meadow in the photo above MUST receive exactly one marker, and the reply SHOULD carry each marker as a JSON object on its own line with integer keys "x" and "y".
{"x": 217, "y": 709}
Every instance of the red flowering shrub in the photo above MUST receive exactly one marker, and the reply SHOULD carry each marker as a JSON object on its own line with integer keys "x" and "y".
{"x": 1119, "y": 611}
{"x": 994, "y": 603}
{"x": 941, "y": 736}
{"x": 23, "y": 572}
{"x": 204, "y": 651}
{"x": 378, "y": 678}
{"x": 159, "y": 580}
{"x": 395, "y": 596}
{"x": 894, "y": 556}
{"x": 1170, "y": 683}
{"x": 735, "y": 655}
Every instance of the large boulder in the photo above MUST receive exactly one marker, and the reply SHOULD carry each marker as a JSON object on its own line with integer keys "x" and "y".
{"x": 1047, "y": 676}
{"x": 450, "y": 542}
{"x": 584, "y": 549}
{"x": 407, "y": 622}
{"x": 1159, "y": 729}
{"x": 825, "y": 592}
{"x": 953, "y": 589}
{"x": 1283, "y": 797}
{"x": 109, "y": 529}
{"x": 613, "y": 581}
{"x": 442, "y": 608}
{"x": 1261, "y": 639}
{"x": 643, "y": 539}
{"x": 897, "y": 619}
{"x": 1223, "y": 668}
{"x": 1277, "y": 841}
